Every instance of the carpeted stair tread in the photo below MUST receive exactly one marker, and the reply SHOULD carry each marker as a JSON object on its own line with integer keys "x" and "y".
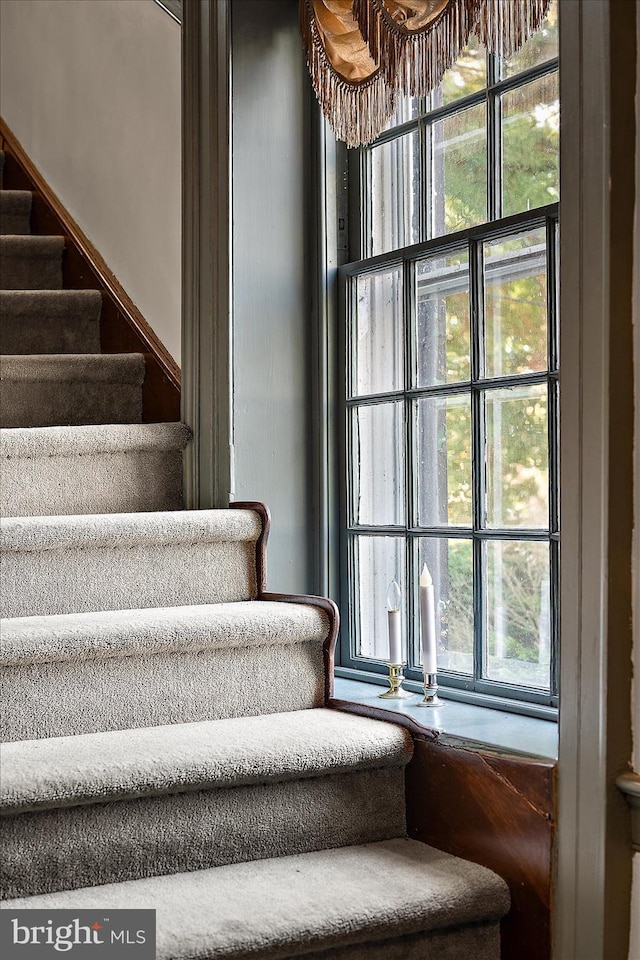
{"x": 130, "y": 530}
{"x": 129, "y": 633}
{"x": 31, "y": 263}
{"x": 43, "y": 390}
{"x": 101, "y": 468}
{"x": 120, "y": 764}
{"x": 137, "y": 803}
{"x": 122, "y": 561}
{"x": 50, "y": 321}
{"x": 183, "y": 662}
{"x": 293, "y": 906}
{"x": 84, "y": 441}
{"x": 125, "y": 368}
{"x": 15, "y": 211}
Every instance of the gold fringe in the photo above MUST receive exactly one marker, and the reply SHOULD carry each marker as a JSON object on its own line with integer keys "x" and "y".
{"x": 415, "y": 61}
{"x": 356, "y": 112}
{"x": 505, "y": 25}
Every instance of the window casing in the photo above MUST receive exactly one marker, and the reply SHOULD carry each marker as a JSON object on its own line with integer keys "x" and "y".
{"x": 450, "y": 401}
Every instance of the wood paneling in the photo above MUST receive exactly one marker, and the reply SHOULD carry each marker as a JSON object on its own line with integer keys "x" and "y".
{"x": 123, "y": 329}
{"x": 497, "y": 811}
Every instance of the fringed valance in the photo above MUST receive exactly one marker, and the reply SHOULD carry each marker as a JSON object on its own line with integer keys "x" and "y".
{"x": 363, "y": 53}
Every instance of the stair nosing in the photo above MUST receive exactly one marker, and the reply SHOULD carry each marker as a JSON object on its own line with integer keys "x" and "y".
{"x": 194, "y": 629}
{"x": 92, "y": 440}
{"x": 219, "y": 754}
{"x": 113, "y": 530}
{"x": 114, "y": 368}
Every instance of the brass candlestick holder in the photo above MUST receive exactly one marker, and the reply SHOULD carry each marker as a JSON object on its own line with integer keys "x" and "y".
{"x": 396, "y": 676}
{"x": 431, "y": 698}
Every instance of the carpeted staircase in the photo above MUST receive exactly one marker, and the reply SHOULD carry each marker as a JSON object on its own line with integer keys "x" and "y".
{"x": 166, "y": 743}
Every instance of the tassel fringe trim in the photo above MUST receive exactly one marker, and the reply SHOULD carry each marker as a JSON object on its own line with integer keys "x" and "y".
{"x": 408, "y": 62}
{"x": 503, "y": 27}
{"x": 414, "y": 62}
{"x": 356, "y": 112}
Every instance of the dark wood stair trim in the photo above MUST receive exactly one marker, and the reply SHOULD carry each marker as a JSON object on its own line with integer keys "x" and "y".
{"x": 261, "y": 544}
{"x": 123, "y": 329}
{"x": 328, "y": 606}
{"x": 331, "y": 610}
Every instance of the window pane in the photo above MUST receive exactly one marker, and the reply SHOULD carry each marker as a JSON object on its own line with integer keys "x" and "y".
{"x": 444, "y": 460}
{"x": 395, "y": 194}
{"x": 378, "y": 458}
{"x": 450, "y": 563}
{"x": 378, "y": 561}
{"x": 515, "y": 305}
{"x": 517, "y": 457}
{"x": 518, "y": 612}
{"x": 459, "y": 171}
{"x": 379, "y": 333}
{"x": 408, "y": 108}
{"x": 530, "y": 122}
{"x": 542, "y": 46}
{"x": 466, "y": 76}
{"x": 442, "y": 319}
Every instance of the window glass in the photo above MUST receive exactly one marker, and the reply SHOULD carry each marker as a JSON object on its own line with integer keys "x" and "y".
{"x": 542, "y": 46}
{"x": 407, "y": 108}
{"x": 378, "y": 337}
{"x": 517, "y": 457}
{"x": 378, "y": 459}
{"x": 450, "y": 564}
{"x": 515, "y": 304}
{"x": 395, "y": 193}
{"x": 442, "y": 319}
{"x": 468, "y": 75}
{"x": 530, "y": 126}
{"x": 518, "y": 627}
{"x": 377, "y": 561}
{"x": 444, "y": 460}
{"x": 459, "y": 171}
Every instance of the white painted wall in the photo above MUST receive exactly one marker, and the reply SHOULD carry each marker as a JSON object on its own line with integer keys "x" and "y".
{"x": 91, "y": 89}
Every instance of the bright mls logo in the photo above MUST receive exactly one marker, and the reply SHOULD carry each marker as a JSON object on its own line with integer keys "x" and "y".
{"x": 81, "y": 934}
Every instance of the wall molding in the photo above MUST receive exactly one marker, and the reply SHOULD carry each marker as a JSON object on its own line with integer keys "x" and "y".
{"x": 593, "y": 862}
{"x": 206, "y": 254}
{"x": 173, "y": 8}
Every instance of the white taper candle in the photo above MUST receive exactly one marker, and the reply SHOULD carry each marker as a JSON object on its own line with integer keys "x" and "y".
{"x": 428, "y": 623}
{"x": 394, "y": 599}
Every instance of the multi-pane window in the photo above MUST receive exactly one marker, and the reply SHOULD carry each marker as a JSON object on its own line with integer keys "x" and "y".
{"x": 450, "y": 402}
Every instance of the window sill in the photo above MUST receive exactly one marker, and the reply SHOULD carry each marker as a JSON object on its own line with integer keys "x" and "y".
{"x": 461, "y": 724}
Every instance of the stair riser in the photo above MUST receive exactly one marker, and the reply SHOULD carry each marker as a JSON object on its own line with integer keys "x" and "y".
{"x": 478, "y": 942}
{"x": 130, "y": 839}
{"x": 17, "y": 224}
{"x": 25, "y": 403}
{"x": 22, "y": 335}
{"x": 31, "y": 273}
{"x": 15, "y": 212}
{"x": 123, "y": 482}
{"x": 39, "y": 583}
{"x": 172, "y": 688}
{"x": 50, "y": 322}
